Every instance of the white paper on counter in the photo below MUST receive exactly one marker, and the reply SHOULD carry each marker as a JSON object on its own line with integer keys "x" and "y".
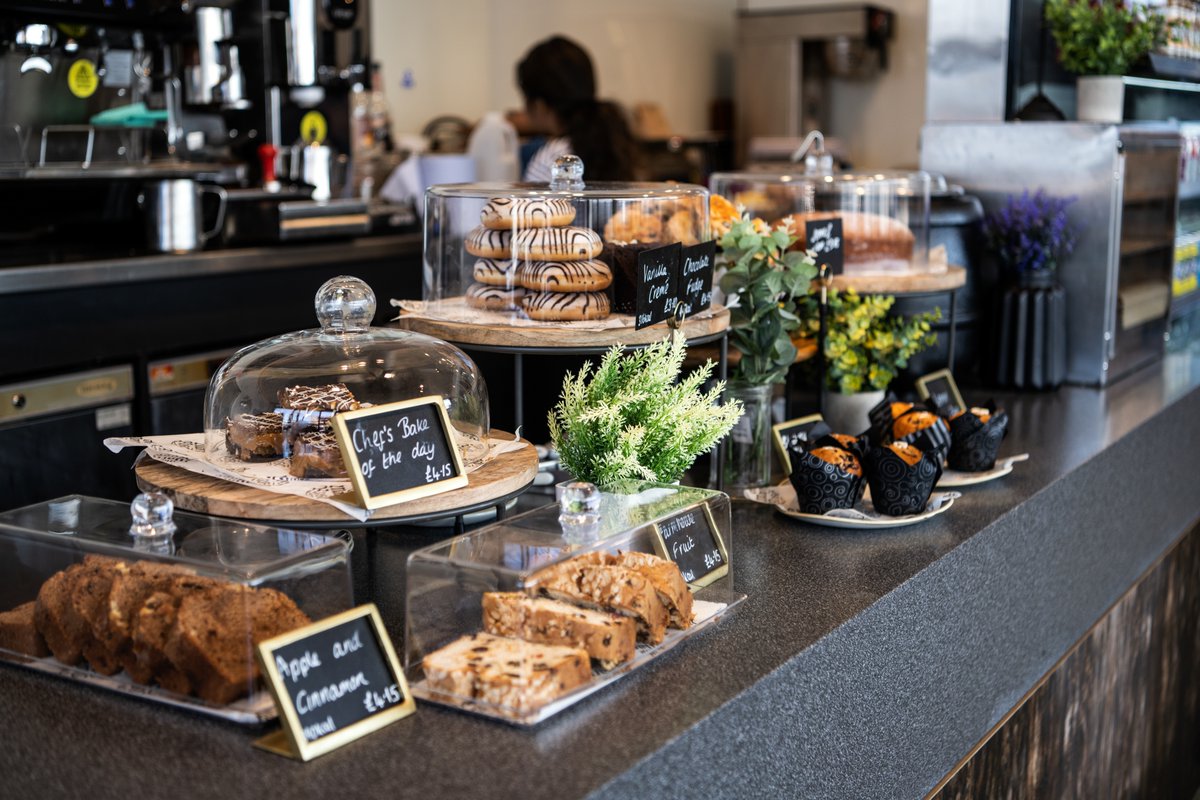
{"x": 187, "y": 452}
{"x": 455, "y": 309}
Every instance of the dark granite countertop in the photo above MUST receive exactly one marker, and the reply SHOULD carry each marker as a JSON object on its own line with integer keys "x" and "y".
{"x": 863, "y": 664}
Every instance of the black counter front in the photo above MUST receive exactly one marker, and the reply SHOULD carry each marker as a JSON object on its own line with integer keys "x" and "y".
{"x": 863, "y": 664}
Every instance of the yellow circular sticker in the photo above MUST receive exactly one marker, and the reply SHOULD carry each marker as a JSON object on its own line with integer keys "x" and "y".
{"x": 82, "y": 79}
{"x": 313, "y": 127}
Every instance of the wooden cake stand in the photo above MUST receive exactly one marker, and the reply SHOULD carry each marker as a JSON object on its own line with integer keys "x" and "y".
{"x": 492, "y": 485}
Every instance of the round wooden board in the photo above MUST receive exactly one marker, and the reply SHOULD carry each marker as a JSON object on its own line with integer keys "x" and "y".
{"x": 502, "y": 476}
{"x": 916, "y": 283}
{"x": 550, "y": 336}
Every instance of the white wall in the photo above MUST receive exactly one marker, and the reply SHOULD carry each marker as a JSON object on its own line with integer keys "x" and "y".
{"x": 462, "y": 54}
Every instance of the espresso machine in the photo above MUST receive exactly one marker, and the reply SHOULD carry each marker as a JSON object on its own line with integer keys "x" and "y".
{"x": 130, "y": 127}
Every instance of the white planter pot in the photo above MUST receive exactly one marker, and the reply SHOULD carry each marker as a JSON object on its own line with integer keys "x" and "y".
{"x": 1099, "y": 98}
{"x": 847, "y": 413}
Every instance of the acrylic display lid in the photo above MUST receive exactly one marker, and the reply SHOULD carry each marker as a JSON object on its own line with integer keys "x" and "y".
{"x": 376, "y": 365}
{"x": 885, "y": 213}
{"x": 548, "y": 252}
{"x": 150, "y": 529}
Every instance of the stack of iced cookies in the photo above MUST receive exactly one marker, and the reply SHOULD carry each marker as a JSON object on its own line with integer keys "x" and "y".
{"x": 532, "y": 259}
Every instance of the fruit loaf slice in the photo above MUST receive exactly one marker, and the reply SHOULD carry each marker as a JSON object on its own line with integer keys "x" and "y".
{"x": 666, "y": 579}
{"x": 90, "y": 601}
{"x": 151, "y": 626}
{"x": 215, "y": 634}
{"x": 607, "y": 588}
{"x": 126, "y": 595}
{"x": 512, "y": 673}
{"x": 57, "y": 614}
{"x": 18, "y": 632}
{"x": 607, "y": 638}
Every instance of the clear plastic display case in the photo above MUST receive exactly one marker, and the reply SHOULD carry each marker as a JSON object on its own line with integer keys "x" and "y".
{"x": 275, "y": 399}
{"x": 167, "y": 606}
{"x": 885, "y": 215}
{"x": 461, "y": 591}
{"x": 567, "y": 251}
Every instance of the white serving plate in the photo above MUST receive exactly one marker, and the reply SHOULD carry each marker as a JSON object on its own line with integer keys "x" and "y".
{"x": 952, "y": 478}
{"x": 862, "y": 516}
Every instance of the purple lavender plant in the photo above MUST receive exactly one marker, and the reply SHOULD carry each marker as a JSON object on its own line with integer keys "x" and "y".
{"x": 1031, "y": 234}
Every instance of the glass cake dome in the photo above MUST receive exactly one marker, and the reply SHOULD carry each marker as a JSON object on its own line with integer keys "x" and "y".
{"x": 885, "y": 215}
{"x": 566, "y": 251}
{"x": 275, "y": 398}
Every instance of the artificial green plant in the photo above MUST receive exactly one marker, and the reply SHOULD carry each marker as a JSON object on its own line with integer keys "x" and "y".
{"x": 632, "y": 418}
{"x": 1102, "y": 37}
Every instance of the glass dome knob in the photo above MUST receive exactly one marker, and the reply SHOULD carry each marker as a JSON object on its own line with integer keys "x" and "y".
{"x": 345, "y": 304}
{"x": 153, "y": 516}
{"x": 567, "y": 173}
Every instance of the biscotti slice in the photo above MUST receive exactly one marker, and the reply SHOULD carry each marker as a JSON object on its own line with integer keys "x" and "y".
{"x": 19, "y": 633}
{"x": 215, "y": 633}
{"x": 518, "y": 675}
{"x": 151, "y": 625}
{"x": 607, "y": 638}
{"x": 604, "y": 587}
{"x": 665, "y": 577}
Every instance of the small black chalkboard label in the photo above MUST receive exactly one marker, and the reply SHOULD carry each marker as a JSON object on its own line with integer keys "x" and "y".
{"x": 657, "y": 285}
{"x": 400, "y": 451}
{"x": 940, "y": 389}
{"x": 824, "y": 237}
{"x": 696, "y": 277}
{"x": 334, "y": 681}
{"x": 794, "y": 431}
{"x": 690, "y": 538}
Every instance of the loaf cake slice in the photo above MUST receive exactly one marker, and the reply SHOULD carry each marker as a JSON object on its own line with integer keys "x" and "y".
{"x": 665, "y": 577}
{"x": 129, "y": 590}
{"x": 215, "y": 633}
{"x": 90, "y": 599}
{"x": 152, "y": 624}
{"x": 606, "y": 587}
{"x": 19, "y": 633}
{"x": 512, "y": 673}
{"x": 607, "y": 638}
{"x": 57, "y": 615}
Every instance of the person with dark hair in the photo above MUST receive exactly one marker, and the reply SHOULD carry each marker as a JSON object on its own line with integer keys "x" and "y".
{"x": 559, "y": 85}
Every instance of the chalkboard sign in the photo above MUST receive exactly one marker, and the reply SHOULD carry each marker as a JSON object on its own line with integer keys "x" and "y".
{"x": 333, "y": 681}
{"x": 691, "y": 539}
{"x": 824, "y": 236}
{"x": 399, "y": 451}
{"x": 794, "y": 431}
{"x": 657, "y": 285}
{"x": 696, "y": 276}
{"x": 940, "y": 389}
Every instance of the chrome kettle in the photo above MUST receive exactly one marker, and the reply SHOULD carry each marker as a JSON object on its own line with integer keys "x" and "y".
{"x": 175, "y": 214}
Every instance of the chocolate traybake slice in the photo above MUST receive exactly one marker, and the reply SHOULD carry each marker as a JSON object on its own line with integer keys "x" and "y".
{"x": 330, "y": 397}
{"x": 315, "y": 454}
{"x": 250, "y": 437}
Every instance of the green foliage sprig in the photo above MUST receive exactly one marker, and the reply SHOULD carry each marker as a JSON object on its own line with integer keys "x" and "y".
{"x": 1102, "y": 37}
{"x": 632, "y": 419}
{"x": 766, "y": 279}
{"x": 865, "y": 346}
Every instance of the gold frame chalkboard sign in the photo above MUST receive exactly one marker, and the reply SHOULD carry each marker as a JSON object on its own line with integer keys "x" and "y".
{"x": 354, "y": 467}
{"x": 660, "y": 544}
{"x": 290, "y": 740}
{"x": 942, "y": 374}
{"x": 776, "y": 434}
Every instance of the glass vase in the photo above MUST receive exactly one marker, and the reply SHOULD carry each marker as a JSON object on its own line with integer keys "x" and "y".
{"x": 748, "y": 447}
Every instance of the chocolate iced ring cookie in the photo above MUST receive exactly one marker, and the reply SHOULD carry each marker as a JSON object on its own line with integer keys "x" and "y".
{"x": 564, "y": 276}
{"x": 557, "y": 244}
{"x": 505, "y": 213}
{"x": 565, "y": 306}
{"x": 494, "y": 298}
{"x": 488, "y": 244}
{"x": 496, "y": 272}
